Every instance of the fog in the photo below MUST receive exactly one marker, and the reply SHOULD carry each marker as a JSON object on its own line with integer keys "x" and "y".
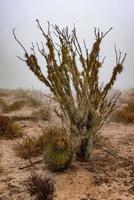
{"x": 85, "y": 14}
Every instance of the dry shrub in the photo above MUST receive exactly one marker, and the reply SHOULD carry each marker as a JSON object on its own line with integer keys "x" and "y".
{"x": 3, "y": 93}
{"x": 43, "y": 114}
{"x": 38, "y": 100}
{"x": 126, "y": 113}
{"x": 2, "y": 104}
{"x": 52, "y": 133}
{"x": 125, "y": 116}
{"x": 40, "y": 187}
{"x": 9, "y": 129}
{"x": 29, "y": 147}
{"x": 131, "y": 105}
{"x": 34, "y": 146}
{"x": 18, "y": 94}
{"x": 17, "y": 105}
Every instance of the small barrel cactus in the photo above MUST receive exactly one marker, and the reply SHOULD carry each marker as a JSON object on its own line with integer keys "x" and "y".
{"x": 59, "y": 154}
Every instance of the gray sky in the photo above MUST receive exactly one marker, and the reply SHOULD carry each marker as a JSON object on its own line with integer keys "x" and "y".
{"x": 85, "y": 14}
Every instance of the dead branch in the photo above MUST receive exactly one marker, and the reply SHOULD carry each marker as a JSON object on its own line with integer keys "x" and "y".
{"x": 31, "y": 164}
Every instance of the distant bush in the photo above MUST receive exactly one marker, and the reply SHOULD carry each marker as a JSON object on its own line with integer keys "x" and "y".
{"x": 126, "y": 113}
{"x": 17, "y": 105}
{"x": 43, "y": 114}
{"x": 3, "y": 93}
{"x": 2, "y": 104}
{"x": 40, "y": 187}
{"x": 38, "y": 100}
{"x": 9, "y": 129}
{"x": 29, "y": 147}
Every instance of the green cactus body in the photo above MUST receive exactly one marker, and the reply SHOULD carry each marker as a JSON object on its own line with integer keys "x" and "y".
{"x": 59, "y": 155}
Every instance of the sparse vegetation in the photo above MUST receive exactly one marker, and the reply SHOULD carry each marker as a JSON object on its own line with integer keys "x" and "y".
{"x": 125, "y": 116}
{"x": 44, "y": 114}
{"x": 29, "y": 147}
{"x": 2, "y": 103}
{"x": 111, "y": 164}
{"x": 9, "y": 129}
{"x": 34, "y": 146}
{"x": 85, "y": 113}
{"x": 52, "y": 133}
{"x": 17, "y": 105}
{"x": 3, "y": 93}
{"x": 42, "y": 188}
{"x": 126, "y": 113}
{"x": 42, "y": 103}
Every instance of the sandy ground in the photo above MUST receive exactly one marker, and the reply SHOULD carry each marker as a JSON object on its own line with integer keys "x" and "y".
{"x": 105, "y": 177}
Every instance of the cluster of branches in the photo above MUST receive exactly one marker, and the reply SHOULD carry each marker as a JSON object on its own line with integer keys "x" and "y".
{"x": 91, "y": 107}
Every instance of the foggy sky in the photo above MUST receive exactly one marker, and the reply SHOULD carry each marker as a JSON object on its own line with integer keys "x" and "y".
{"x": 85, "y": 14}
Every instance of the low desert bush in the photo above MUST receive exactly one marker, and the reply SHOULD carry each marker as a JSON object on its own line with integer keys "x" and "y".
{"x": 17, "y": 105}
{"x": 125, "y": 116}
{"x": 18, "y": 94}
{"x": 52, "y": 133}
{"x": 42, "y": 188}
{"x": 3, "y": 93}
{"x": 29, "y": 147}
{"x": 34, "y": 146}
{"x": 44, "y": 114}
{"x": 130, "y": 105}
{"x": 9, "y": 129}
{"x": 41, "y": 103}
{"x": 2, "y": 104}
{"x": 126, "y": 113}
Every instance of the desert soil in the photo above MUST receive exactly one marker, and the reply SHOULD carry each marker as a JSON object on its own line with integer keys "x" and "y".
{"x": 109, "y": 175}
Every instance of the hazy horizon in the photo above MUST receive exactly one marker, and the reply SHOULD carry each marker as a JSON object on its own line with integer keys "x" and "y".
{"x": 85, "y": 15}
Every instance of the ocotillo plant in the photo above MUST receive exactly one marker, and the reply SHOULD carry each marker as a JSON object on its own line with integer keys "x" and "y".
{"x": 73, "y": 78}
